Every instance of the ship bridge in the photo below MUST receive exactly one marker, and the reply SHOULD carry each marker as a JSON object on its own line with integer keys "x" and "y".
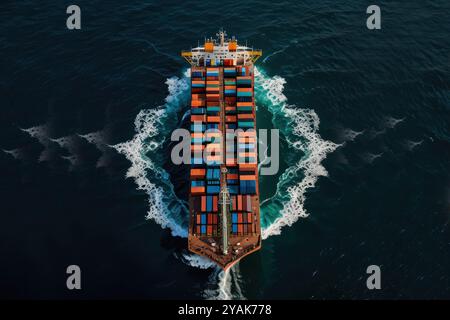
{"x": 221, "y": 51}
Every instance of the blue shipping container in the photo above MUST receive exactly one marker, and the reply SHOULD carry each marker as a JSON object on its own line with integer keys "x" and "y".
{"x": 209, "y": 203}
{"x": 198, "y": 110}
{"x": 196, "y": 160}
{"x": 244, "y": 94}
{"x": 212, "y": 189}
{"x": 195, "y": 183}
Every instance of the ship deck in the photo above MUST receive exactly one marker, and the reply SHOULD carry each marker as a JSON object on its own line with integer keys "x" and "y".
{"x": 239, "y": 246}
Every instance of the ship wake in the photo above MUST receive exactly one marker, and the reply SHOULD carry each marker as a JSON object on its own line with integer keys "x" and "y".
{"x": 299, "y": 127}
{"x": 152, "y": 127}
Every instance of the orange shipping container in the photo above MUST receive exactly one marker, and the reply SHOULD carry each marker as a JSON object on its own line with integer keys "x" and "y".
{"x": 215, "y": 209}
{"x": 197, "y": 172}
{"x": 232, "y": 176}
{"x": 245, "y": 166}
{"x": 213, "y": 119}
{"x": 230, "y": 118}
{"x": 245, "y": 104}
{"x": 245, "y": 116}
{"x": 197, "y": 190}
{"x": 247, "y": 177}
{"x": 198, "y": 103}
{"x": 245, "y": 89}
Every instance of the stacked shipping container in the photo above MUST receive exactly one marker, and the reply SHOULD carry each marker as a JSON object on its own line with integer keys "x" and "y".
{"x": 241, "y": 161}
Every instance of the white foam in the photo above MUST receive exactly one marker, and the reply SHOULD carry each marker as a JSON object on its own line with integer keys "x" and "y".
{"x": 304, "y": 125}
{"x": 224, "y": 285}
{"x": 98, "y": 139}
{"x": 391, "y": 122}
{"x": 410, "y": 145}
{"x": 15, "y": 153}
{"x": 350, "y": 135}
{"x": 40, "y": 133}
{"x": 196, "y": 261}
{"x": 164, "y": 207}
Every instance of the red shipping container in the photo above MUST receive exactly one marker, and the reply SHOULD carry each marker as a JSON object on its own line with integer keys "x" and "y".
{"x": 198, "y": 118}
{"x": 210, "y": 219}
{"x": 240, "y": 220}
{"x": 215, "y": 209}
{"x": 198, "y": 229}
{"x": 215, "y": 219}
{"x": 203, "y": 203}
{"x": 240, "y": 229}
{"x": 249, "y": 217}
{"x": 239, "y": 202}
{"x": 209, "y": 230}
{"x": 198, "y": 218}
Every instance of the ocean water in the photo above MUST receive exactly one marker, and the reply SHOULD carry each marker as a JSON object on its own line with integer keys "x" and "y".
{"x": 364, "y": 177}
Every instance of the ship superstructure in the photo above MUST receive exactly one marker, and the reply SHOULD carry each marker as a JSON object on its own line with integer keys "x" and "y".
{"x": 224, "y": 194}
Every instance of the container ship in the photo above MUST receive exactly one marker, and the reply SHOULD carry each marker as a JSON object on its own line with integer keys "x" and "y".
{"x": 224, "y": 217}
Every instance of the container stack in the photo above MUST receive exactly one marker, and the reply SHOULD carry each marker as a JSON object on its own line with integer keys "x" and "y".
{"x": 206, "y": 215}
{"x": 242, "y": 216}
{"x": 198, "y": 117}
{"x": 241, "y": 155}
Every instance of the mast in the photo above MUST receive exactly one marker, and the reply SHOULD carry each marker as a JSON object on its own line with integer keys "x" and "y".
{"x": 224, "y": 201}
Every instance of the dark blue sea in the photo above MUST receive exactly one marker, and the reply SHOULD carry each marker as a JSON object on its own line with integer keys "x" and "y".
{"x": 85, "y": 173}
